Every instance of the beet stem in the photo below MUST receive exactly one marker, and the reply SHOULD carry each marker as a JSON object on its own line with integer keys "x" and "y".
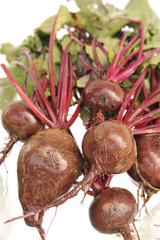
{"x": 39, "y": 91}
{"x": 145, "y": 116}
{"x": 148, "y": 130}
{"x": 89, "y": 67}
{"x": 7, "y": 148}
{"x": 113, "y": 66}
{"x": 123, "y": 63}
{"x": 74, "y": 37}
{"x": 140, "y": 108}
{"x": 28, "y": 101}
{"x": 129, "y": 45}
{"x": 70, "y": 87}
{"x": 63, "y": 99}
{"x": 131, "y": 92}
{"x": 133, "y": 101}
{"x": 51, "y": 61}
{"x": 95, "y": 55}
{"x": 75, "y": 115}
{"x": 131, "y": 69}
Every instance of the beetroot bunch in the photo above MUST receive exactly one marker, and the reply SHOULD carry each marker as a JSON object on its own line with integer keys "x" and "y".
{"x": 122, "y": 122}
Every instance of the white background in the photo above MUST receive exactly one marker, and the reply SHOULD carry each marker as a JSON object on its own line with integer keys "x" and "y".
{"x": 17, "y": 20}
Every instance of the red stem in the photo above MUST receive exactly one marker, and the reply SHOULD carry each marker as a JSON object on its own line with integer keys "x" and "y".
{"x": 75, "y": 115}
{"x": 64, "y": 88}
{"x": 145, "y": 116}
{"x": 132, "y": 103}
{"x": 140, "y": 108}
{"x": 28, "y": 101}
{"x": 130, "y": 94}
{"x": 95, "y": 55}
{"x": 40, "y": 92}
{"x": 51, "y": 62}
{"x": 89, "y": 67}
{"x": 148, "y": 130}
{"x": 74, "y": 37}
{"x": 124, "y": 62}
{"x": 129, "y": 45}
{"x": 114, "y": 64}
{"x": 131, "y": 69}
{"x": 70, "y": 87}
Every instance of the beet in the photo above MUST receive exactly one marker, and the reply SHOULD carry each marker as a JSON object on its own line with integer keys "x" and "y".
{"x": 109, "y": 97}
{"x": 102, "y": 95}
{"x": 112, "y": 143}
{"x": 20, "y": 122}
{"x": 148, "y": 159}
{"x": 112, "y": 211}
{"x": 48, "y": 164}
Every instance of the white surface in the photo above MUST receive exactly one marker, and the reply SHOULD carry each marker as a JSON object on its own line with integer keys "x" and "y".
{"x": 17, "y": 20}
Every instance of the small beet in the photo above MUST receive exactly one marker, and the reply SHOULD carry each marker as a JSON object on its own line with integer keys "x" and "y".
{"x": 20, "y": 121}
{"x": 48, "y": 164}
{"x": 103, "y": 95}
{"x": 112, "y": 211}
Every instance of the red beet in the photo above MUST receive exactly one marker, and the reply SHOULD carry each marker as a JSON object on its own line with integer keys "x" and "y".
{"x": 148, "y": 159}
{"x": 108, "y": 97}
{"x": 20, "y": 122}
{"x": 48, "y": 164}
{"x": 102, "y": 95}
{"x": 112, "y": 144}
{"x": 112, "y": 211}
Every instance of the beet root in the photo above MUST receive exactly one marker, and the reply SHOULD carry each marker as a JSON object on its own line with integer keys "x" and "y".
{"x": 20, "y": 122}
{"x": 112, "y": 211}
{"x": 103, "y": 95}
{"x": 48, "y": 164}
{"x": 111, "y": 144}
{"x": 148, "y": 159}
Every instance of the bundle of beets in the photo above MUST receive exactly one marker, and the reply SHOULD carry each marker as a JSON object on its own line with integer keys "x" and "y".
{"x": 121, "y": 131}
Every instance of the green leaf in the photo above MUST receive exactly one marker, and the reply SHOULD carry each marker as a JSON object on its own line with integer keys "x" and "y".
{"x": 65, "y": 17}
{"x": 74, "y": 49}
{"x": 102, "y": 57}
{"x": 7, "y": 93}
{"x": 11, "y": 51}
{"x": 81, "y": 83}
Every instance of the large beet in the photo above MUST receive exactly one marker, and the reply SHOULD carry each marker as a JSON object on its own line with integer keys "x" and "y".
{"x": 111, "y": 143}
{"x": 48, "y": 164}
{"x": 112, "y": 211}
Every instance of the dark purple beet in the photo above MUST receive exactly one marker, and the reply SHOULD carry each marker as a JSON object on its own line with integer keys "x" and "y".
{"x": 48, "y": 164}
{"x": 112, "y": 211}
{"x": 103, "y": 95}
{"x": 112, "y": 144}
{"x": 19, "y": 121}
{"x": 148, "y": 159}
